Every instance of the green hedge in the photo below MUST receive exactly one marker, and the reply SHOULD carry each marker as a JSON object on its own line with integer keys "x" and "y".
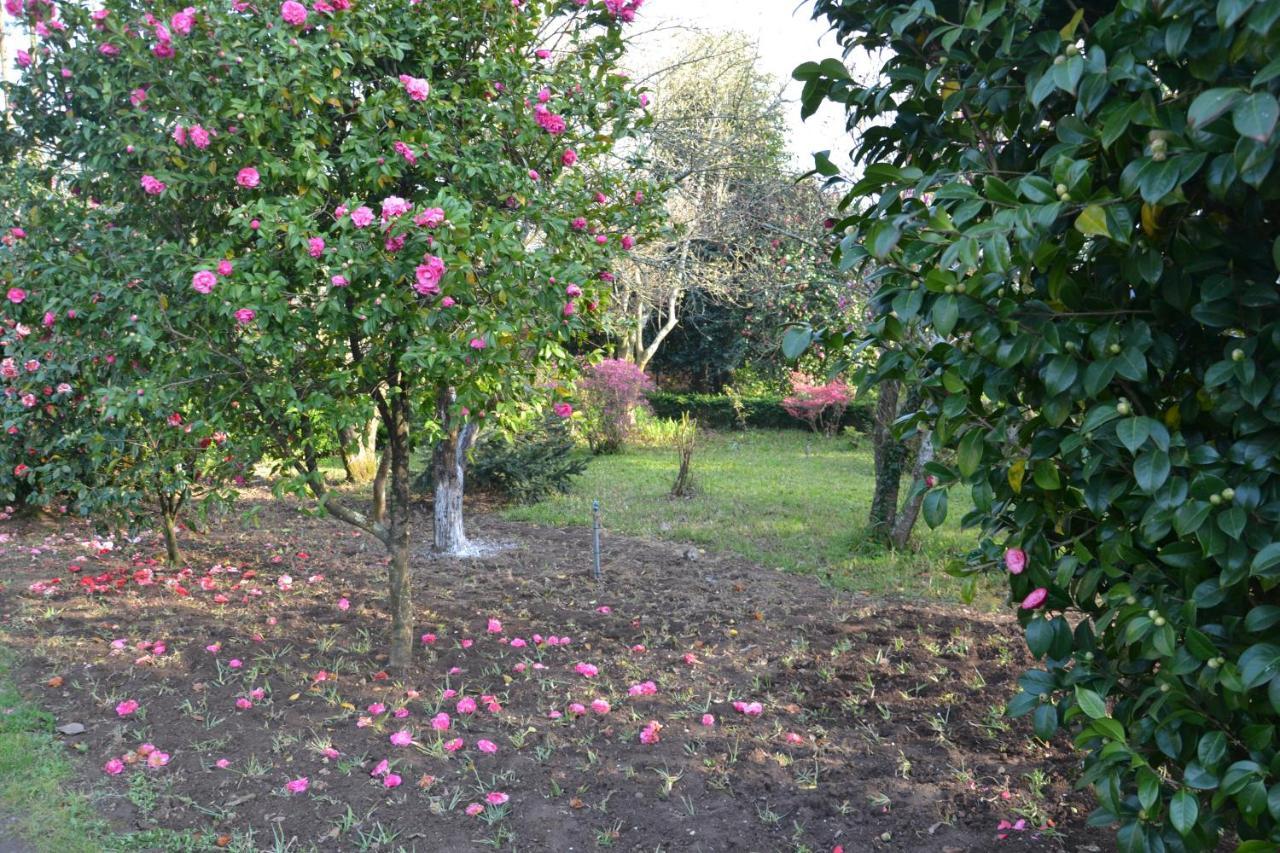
{"x": 715, "y": 411}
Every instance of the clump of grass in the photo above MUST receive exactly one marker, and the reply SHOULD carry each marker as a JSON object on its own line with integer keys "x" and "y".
{"x": 35, "y": 778}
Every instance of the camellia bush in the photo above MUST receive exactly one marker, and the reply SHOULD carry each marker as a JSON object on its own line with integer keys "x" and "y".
{"x": 1070, "y": 213}
{"x": 346, "y": 209}
{"x": 86, "y": 428}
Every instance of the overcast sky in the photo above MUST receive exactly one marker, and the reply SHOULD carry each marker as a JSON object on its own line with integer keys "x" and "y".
{"x": 787, "y": 36}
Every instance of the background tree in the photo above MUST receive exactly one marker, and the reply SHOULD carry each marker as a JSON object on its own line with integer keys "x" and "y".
{"x": 717, "y": 130}
{"x": 1070, "y": 211}
{"x": 347, "y": 210}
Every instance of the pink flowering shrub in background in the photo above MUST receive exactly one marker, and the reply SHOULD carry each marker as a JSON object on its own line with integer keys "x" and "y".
{"x": 611, "y": 391}
{"x": 820, "y": 406}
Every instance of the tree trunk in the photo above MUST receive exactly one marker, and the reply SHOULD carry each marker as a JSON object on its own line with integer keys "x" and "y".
{"x": 910, "y": 511}
{"x": 379, "y": 513}
{"x": 888, "y": 460}
{"x": 169, "y": 524}
{"x": 448, "y": 461}
{"x": 399, "y": 588}
{"x": 347, "y": 438}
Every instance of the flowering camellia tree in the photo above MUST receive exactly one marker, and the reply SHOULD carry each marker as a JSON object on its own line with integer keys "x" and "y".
{"x": 349, "y": 209}
{"x": 87, "y": 428}
{"x": 1070, "y": 211}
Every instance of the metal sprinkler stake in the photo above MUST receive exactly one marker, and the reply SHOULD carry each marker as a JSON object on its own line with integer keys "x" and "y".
{"x": 595, "y": 537}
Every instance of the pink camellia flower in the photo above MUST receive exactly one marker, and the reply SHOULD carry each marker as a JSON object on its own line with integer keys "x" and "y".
{"x": 1035, "y": 598}
{"x": 204, "y": 281}
{"x": 600, "y": 706}
{"x": 391, "y": 780}
{"x": 362, "y": 217}
{"x": 157, "y": 759}
{"x": 649, "y": 734}
{"x": 518, "y": 643}
{"x": 466, "y": 705}
{"x": 403, "y": 149}
{"x": 569, "y": 157}
{"x": 293, "y": 13}
{"x": 243, "y": 704}
{"x": 563, "y": 410}
{"x": 647, "y": 688}
{"x": 454, "y": 745}
{"x": 344, "y": 604}
{"x": 577, "y": 709}
{"x": 248, "y": 177}
{"x": 569, "y": 309}
{"x": 299, "y": 785}
{"x": 222, "y": 763}
{"x": 244, "y": 316}
{"x": 382, "y": 768}
{"x": 429, "y": 218}
{"x": 182, "y": 22}
{"x": 315, "y": 247}
{"x": 146, "y": 749}
{"x": 24, "y": 59}
{"x": 152, "y": 186}
{"x": 401, "y": 738}
{"x": 180, "y": 135}
{"x": 494, "y": 626}
{"x": 441, "y": 722}
{"x": 486, "y": 746}
{"x": 474, "y": 809}
{"x": 587, "y": 670}
{"x": 573, "y": 291}
{"x": 225, "y": 268}
{"x": 377, "y": 708}
{"x": 628, "y": 242}
{"x": 428, "y": 639}
{"x": 394, "y": 207}
{"x": 1015, "y": 560}
{"x": 138, "y": 97}
{"x": 257, "y": 694}
{"x": 496, "y": 798}
{"x": 16, "y": 295}
{"x": 579, "y": 223}
{"x": 708, "y": 720}
{"x": 235, "y": 663}
{"x": 478, "y": 343}
{"x": 126, "y": 707}
{"x": 417, "y": 88}
{"x": 428, "y": 275}
{"x": 114, "y": 767}
{"x": 339, "y": 281}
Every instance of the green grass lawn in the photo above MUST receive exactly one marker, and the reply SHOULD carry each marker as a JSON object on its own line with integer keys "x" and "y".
{"x": 785, "y": 499}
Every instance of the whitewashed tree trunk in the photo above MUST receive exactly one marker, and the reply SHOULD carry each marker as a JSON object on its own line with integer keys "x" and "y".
{"x": 448, "y": 468}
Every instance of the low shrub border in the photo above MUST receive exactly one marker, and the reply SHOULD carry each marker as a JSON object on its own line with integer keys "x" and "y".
{"x": 716, "y": 411}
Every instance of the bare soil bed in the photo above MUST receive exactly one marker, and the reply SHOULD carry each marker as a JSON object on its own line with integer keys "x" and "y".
{"x": 878, "y": 724}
